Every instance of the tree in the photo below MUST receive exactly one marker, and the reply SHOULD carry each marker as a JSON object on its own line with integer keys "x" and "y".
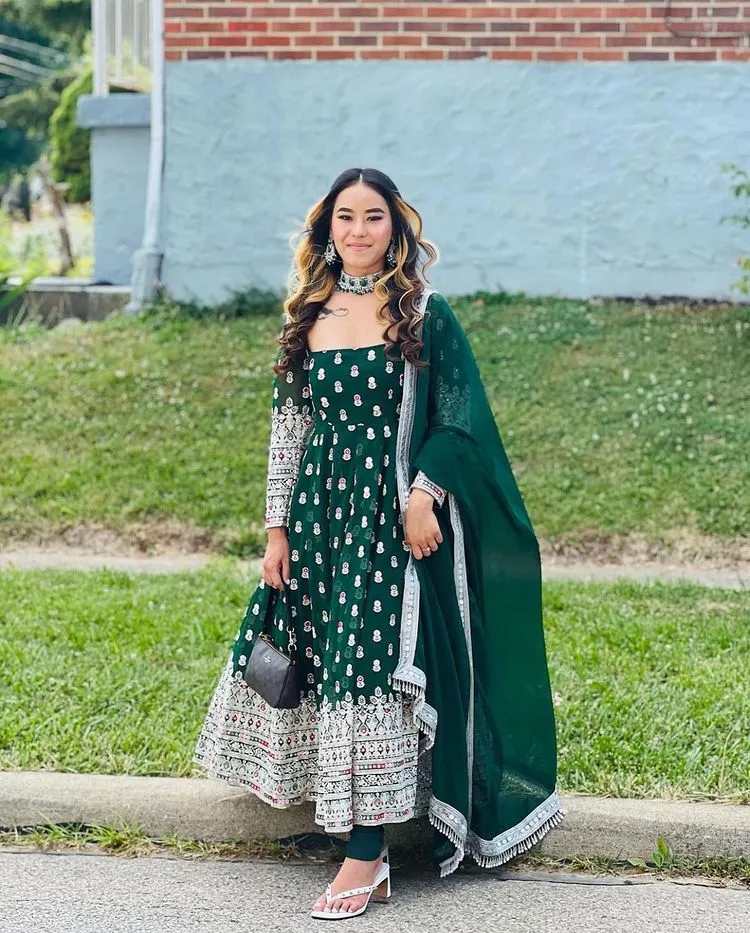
{"x": 66, "y": 22}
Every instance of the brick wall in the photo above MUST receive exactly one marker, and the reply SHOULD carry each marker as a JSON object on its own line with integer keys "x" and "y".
{"x": 537, "y": 30}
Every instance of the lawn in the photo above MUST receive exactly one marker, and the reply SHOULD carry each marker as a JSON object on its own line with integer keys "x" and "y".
{"x": 623, "y": 421}
{"x": 110, "y": 672}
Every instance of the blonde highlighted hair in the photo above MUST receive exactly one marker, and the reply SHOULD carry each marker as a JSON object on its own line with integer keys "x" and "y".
{"x": 312, "y": 280}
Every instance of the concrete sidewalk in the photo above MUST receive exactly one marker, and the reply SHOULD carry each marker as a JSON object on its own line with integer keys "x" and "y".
{"x": 195, "y": 808}
{"x": 737, "y": 579}
{"x": 66, "y": 893}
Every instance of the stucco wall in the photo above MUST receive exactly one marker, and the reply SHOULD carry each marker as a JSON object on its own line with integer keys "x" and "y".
{"x": 583, "y": 180}
{"x": 119, "y": 172}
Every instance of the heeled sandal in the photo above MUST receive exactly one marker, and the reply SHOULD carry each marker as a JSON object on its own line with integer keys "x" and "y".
{"x": 379, "y": 891}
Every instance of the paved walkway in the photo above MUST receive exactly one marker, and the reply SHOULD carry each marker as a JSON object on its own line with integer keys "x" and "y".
{"x": 61, "y": 893}
{"x": 600, "y": 573}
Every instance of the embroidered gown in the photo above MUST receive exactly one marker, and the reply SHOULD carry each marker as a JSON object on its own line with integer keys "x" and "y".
{"x": 353, "y": 745}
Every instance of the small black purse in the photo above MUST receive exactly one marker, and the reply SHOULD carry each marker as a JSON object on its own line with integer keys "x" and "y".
{"x": 271, "y": 673}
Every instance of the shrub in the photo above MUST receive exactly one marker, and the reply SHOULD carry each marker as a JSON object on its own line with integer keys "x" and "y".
{"x": 69, "y": 144}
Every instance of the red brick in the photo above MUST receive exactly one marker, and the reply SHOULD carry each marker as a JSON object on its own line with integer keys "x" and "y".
{"x": 205, "y": 25}
{"x": 334, "y": 25}
{"x": 198, "y": 54}
{"x": 580, "y": 12}
{"x": 454, "y": 41}
{"x": 625, "y": 42}
{"x": 648, "y": 56}
{"x": 481, "y": 42}
{"x": 357, "y": 40}
{"x": 228, "y": 12}
{"x": 403, "y": 10}
{"x": 313, "y": 41}
{"x": 423, "y": 54}
{"x": 173, "y": 56}
{"x": 534, "y": 12}
{"x": 446, "y": 11}
{"x": 506, "y": 55}
{"x": 718, "y": 11}
{"x": 402, "y": 40}
{"x": 183, "y": 12}
{"x": 554, "y": 26}
{"x": 600, "y": 26}
{"x": 326, "y": 55}
{"x": 271, "y": 40}
{"x": 470, "y": 25}
{"x": 535, "y": 41}
{"x": 457, "y": 55}
{"x": 735, "y": 55}
{"x": 645, "y": 27}
{"x": 422, "y": 26}
{"x": 510, "y": 27}
{"x": 291, "y": 26}
{"x": 589, "y": 56}
{"x": 247, "y": 25}
{"x": 556, "y": 56}
{"x": 626, "y": 12}
{"x": 581, "y": 42}
{"x": 316, "y": 12}
{"x": 708, "y": 56}
{"x": 380, "y": 25}
{"x": 271, "y": 11}
{"x": 281, "y": 55}
{"x": 172, "y": 28}
{"x": 347, "y": 11}
{"x": 378, "y": 54}
{"x": 227, "y": 41}
{"x": 499, "y": 12}
{"x": 659, "y": 12}
{"x": 183, "y": 42}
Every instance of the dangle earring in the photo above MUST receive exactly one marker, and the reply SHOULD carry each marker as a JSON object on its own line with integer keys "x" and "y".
{"x": 330, "y": 253}
{"x": 390, "y": 256}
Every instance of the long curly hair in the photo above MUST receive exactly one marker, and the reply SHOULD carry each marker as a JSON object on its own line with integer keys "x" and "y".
{"x": 312, "y": 280}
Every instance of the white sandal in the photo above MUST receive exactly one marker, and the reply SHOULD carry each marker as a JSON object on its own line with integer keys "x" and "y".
{"x": 379, "y": 890}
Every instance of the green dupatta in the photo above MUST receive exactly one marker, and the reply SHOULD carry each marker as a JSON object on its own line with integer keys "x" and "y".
{"x": 472, "y": 642}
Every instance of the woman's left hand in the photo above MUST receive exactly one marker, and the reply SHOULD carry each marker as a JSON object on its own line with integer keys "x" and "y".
{"x": 422, "y": 531}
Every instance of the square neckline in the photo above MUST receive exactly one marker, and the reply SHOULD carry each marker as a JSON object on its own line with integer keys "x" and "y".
{"x": 370, "y": 346}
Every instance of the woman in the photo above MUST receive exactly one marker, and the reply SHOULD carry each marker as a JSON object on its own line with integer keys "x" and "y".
{"x": 402, "y": 555}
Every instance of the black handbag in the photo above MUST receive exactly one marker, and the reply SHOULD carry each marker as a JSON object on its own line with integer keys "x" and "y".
{"x": 271, "y": 673}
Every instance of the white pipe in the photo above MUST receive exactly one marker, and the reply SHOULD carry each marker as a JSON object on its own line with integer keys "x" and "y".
{"x": 99, "y": 30}
{"x": 147, "y": 260}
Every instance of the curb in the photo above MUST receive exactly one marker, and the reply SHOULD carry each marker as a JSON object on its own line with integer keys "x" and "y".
{"x": 211, "y": 811}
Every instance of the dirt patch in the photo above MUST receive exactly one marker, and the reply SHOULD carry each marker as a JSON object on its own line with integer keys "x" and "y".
{"x": 681, "y": 548}
{"x": 172, "y": 539}
{"x": 143, "y": 539}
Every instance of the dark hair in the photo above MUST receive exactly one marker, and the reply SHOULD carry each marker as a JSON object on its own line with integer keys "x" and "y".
{"x": 313, "y": 280}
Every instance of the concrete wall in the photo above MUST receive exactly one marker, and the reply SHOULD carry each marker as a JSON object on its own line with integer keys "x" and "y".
{"x": 581, "y": 179}
{"x": 119, "y": 172}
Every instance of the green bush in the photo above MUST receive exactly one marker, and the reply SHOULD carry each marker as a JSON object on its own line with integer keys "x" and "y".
{"x": 741, "y": 190}
{"x": 69, "y": 144}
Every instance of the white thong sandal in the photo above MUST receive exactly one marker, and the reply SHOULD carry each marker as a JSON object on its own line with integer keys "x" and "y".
{"x": 379, "y": 890}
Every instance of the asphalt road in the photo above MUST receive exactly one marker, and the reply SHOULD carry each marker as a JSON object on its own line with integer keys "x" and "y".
{"x": 72, "y": 893}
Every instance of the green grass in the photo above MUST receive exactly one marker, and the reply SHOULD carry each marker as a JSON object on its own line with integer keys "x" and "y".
{"x": 620, "y": 420}
{"x": 110, "y": 672}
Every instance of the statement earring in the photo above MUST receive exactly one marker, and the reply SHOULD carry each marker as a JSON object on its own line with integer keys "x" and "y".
{"x": 390, "y": 256}
{"x": 330, "y": 253}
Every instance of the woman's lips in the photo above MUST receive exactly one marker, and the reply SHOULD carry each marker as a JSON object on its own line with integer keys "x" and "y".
{"x": 358, "y": 246}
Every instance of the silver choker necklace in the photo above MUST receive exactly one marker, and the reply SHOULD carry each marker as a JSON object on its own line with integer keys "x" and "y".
{"x": 359, "y": 285}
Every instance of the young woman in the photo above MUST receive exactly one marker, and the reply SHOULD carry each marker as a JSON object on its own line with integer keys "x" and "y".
{"x": 403, "y": 569}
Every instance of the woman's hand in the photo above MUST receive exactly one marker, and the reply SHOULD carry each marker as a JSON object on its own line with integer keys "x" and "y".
{"x": 422, "y": 531}
{"x": 276, "y": 558}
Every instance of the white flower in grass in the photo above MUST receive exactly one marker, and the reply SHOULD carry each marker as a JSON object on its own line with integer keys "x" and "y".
{"x": 371, "y": 384}
{"x": 343, "y": 415}
{"x": 318, "y": 557}
{"x": 371, "y": 354}
{"x": 355, "y": 610}
{"x": 342, "y": 598}
{"x": 349, "y": 670}
{"x": 303, "y": 497}
{"x": 358, "y": 580}
{"x": 376, "y": 636}
{"x": 380, "y": 547}
{"x": 321, "y": 587}
{"x": 342, "y": 483}
{"x": 316, "y": 528}
{"x": 305, "y": 573}
{"x": 360, "y": 681}
{"x": 321, "y": 373}
{"x": 394, "y": 590}
{"x": 376, "y": 411}
{"x": 389, "y": 366}
{"x": 354, "y": 371}
{"x": 289, "y": 376}
{"x": 325, "y": 673}
{"x": 390, "y": 649}
{"x": 307, "y": 626}
{"x": 378, "y": 576}
{"x": 293, "y": 584}
{"x": 377, "y": 606}
{"x": 348, "y": 537}
{"x": 357, "y": 400}
{"x": 339, "y": 627}
{"x": 376, "y": 665}
{"x": 329, "y": 483}
{"x": 295, "y": 554}
{"x": 351, "y": 640}
{"x": 386, "y": 460}
{"x": 339, "y": 513}
{"x": 347, "y": 454}
{"x": 316, "y": 661}
{"x": 256, "y": 609}
{"x": 392, "y": 619}
{"x": 337, "y": 358}
{"x": 360, "y": 651}
{"x": 337, "y": 387}
{"x": 366, "y": 492}
{"x": 386, "y": 431}
{"x": 361, "y": 551}
{"x": 394, "y": 561}
{"x": 345, "y": 567}
{"x": 316, "y": 499}
{"x": 370, "y": 434}
{"x": 298, "y": 527}
{"x": 242, "y": 660}
{"x": 368, "y": 463}
{"x": 308, "y": 652}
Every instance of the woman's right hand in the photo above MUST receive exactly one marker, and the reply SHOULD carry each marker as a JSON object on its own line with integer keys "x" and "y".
{"x": 276, "y": 559}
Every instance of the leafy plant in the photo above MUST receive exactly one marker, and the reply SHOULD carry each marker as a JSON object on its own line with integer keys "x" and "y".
{"x": 69, "y": 143}
{"x": 740, "y": 189}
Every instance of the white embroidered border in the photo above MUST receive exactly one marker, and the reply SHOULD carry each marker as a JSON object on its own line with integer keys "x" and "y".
{"x": 487, "y": 853}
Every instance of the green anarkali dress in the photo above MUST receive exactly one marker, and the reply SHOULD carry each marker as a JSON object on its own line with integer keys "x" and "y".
{"x": 379, "y": 671}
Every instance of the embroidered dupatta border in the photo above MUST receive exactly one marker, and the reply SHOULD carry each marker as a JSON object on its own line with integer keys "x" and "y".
{"x": 410, "y": 679}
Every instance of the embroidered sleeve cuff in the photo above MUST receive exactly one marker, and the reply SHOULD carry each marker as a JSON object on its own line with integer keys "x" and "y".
{"x": 421, "y": 481}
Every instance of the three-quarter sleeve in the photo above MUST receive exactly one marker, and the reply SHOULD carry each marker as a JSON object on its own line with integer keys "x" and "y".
{"x": 422, "y": 481}
{"x": 291, "y": 422}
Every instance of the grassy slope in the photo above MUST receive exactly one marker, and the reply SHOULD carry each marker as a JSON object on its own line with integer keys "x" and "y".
{"x": 619, "y": 420}
{"x": 111, "y": 672}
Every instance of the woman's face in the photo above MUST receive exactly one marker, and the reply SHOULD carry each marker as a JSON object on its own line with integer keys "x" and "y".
{"x": 361, "y": 229}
